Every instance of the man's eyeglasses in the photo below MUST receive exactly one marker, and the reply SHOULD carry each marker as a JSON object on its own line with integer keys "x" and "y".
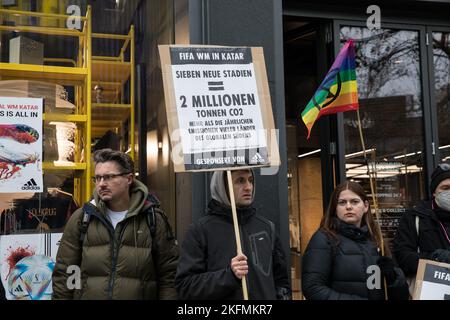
{"x": 353, "y": 202}
{"x": 108, "y": 177}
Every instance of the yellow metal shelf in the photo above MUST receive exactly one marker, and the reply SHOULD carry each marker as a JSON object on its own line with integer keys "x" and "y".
{"x": 111, "y": 90}
{"x": 110, "y": 111}
{"x": 53, "y": 166}
{"x": 113, "y": 73}
{"x": 107, "y": 85}
{"x": 121, "y": 114}
{"x": 107, "y": 123}
{"x": 111, "y": 105}
{"x": 76, "y": 74}
{"x": 65, "y": 117}
{"x": 41, "y": 14}
{"x": 100, "y": 127}
{"x": 110, "y": 71}
{"x": 98, "y": 132}
{"x": 43, "y": 30}
{"x": 61, "y": 75}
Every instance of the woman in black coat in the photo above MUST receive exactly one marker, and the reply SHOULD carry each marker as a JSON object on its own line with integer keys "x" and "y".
{"x": 343, "y": 260}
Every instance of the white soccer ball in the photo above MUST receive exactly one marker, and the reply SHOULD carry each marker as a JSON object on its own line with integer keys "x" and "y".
{"x": 31, "y": 278}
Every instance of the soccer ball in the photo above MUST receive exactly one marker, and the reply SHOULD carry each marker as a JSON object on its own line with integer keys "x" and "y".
{"x": 31, "y": 278}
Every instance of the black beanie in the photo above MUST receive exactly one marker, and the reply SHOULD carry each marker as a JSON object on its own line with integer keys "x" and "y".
{"x": 437, "y": 177}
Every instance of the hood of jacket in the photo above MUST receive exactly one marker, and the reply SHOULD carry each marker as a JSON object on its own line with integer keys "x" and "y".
{"x": 218, "y": 188}
{"x": 424, "y": 209}
{"x": 139, "y": 199}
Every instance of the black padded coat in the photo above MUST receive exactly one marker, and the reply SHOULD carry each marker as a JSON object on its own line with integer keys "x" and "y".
{"x": 339, "y": 271}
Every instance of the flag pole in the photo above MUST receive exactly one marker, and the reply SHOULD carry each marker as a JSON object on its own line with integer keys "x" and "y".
{"x": 373, "y": 191}
{"x": 372, "y": 184}
{"x": 236, "y": 229}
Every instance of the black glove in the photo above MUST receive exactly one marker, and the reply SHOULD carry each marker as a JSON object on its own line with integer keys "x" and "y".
{"x": 387, "y": 266}
{"x": 284, "y": 294}
{"x": 441, "y": 255}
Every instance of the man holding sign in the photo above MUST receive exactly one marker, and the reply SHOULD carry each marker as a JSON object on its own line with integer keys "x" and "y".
{"x": 210, "y": 268}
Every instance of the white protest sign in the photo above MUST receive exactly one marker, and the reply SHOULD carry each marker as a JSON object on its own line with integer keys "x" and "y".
{"x": 218, "y": 107}
{"x": 432, "y": 281}
{"x": 20, "y": 145}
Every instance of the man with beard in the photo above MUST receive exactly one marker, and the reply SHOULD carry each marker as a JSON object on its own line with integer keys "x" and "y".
{"x": 121, "y": 241}
{"x": 210, "y": 267}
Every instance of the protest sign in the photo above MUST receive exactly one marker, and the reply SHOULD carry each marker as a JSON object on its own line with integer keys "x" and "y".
{"x": 218, "y": 107}
{"x": 432, "y": 281}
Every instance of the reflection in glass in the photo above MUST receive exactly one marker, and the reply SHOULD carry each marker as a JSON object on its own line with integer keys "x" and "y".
{"x": 441, "y": 57}
{"x": 388, "y": 74}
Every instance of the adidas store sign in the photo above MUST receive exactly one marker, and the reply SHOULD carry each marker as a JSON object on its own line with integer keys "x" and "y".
{"x": 31, "y": 185}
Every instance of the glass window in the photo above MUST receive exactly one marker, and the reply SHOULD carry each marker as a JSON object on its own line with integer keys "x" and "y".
{"x": 441, "y": 58}
{"x": 389, "y": 88}
{"x": 81, "y": 63}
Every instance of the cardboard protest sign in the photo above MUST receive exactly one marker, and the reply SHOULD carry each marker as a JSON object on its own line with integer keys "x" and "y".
{"x": 20, "y": 145}
{"x": 218, "y": 107}
{"x": 432, "y": 281}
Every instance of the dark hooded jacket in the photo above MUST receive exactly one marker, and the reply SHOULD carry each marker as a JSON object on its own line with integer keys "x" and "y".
{"x": 204, "y": 270}
{"x": 338, "y": 270}
{"x": 122, "y": 263}
{"x": 428, "y": 238}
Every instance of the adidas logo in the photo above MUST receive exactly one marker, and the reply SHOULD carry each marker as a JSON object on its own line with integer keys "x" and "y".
{"x": 257, "y": 159}
{"x": 31, "y": 185}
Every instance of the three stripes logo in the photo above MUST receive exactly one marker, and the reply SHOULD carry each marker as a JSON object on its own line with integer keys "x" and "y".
{"x": 257, "y": 159}
{"x": 31, "y": 185}
{"x": 216, "y": 86}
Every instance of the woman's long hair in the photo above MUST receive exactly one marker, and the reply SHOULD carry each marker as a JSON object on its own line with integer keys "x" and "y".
{"x": 328, "y": 224}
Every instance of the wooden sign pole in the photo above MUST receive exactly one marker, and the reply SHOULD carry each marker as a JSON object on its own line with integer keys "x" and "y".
{"x": 236, "y": 229}
{"x": 374, "y": 197}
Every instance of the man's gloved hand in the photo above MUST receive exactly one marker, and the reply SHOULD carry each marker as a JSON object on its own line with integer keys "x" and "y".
{"x": 441, "y": 255}
{"x": 387, "y": 266}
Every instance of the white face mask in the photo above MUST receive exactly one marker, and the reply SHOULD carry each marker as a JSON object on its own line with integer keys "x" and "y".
{"x": 443, "y": 200}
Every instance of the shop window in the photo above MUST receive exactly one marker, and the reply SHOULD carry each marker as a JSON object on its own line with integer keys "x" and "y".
{"x": 441, "y": 59}
{"x": 391, "y": 112}
{"x": 85, "y": 76}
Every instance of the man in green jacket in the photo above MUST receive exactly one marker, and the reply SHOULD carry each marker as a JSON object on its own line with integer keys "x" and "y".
{"x": 111, "y": 251}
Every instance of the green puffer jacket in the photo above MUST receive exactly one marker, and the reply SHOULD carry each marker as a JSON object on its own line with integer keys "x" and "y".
{"x": 121, "y": 263}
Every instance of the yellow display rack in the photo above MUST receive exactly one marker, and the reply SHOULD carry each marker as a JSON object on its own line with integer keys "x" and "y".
{"x": 93, "y": 118}
{"x": 78, "y": 75}
{"x": 112, "y": 73}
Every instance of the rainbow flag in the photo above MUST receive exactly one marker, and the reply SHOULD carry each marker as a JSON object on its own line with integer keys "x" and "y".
{"x": 338, "y": 92}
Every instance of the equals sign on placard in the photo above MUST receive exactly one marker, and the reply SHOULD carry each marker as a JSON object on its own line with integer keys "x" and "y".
{"x": 215, "y": 86}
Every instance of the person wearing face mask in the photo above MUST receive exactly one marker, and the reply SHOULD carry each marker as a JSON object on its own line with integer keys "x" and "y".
{"x": 424, "y": 231}
{"x": 209, "y": 266}
{"x": 341, "y": 257}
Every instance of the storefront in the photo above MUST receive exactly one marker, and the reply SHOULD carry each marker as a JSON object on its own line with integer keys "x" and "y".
{"x": 403, "y": 73}
{"x": 403, "y": 85}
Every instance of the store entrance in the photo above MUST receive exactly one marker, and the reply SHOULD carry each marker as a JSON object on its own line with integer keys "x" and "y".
{"x": 305, "y": 62}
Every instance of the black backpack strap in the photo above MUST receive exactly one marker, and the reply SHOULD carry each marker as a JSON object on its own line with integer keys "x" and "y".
{"x": 151, "y": 220}
{"x": 88, "y": 210}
